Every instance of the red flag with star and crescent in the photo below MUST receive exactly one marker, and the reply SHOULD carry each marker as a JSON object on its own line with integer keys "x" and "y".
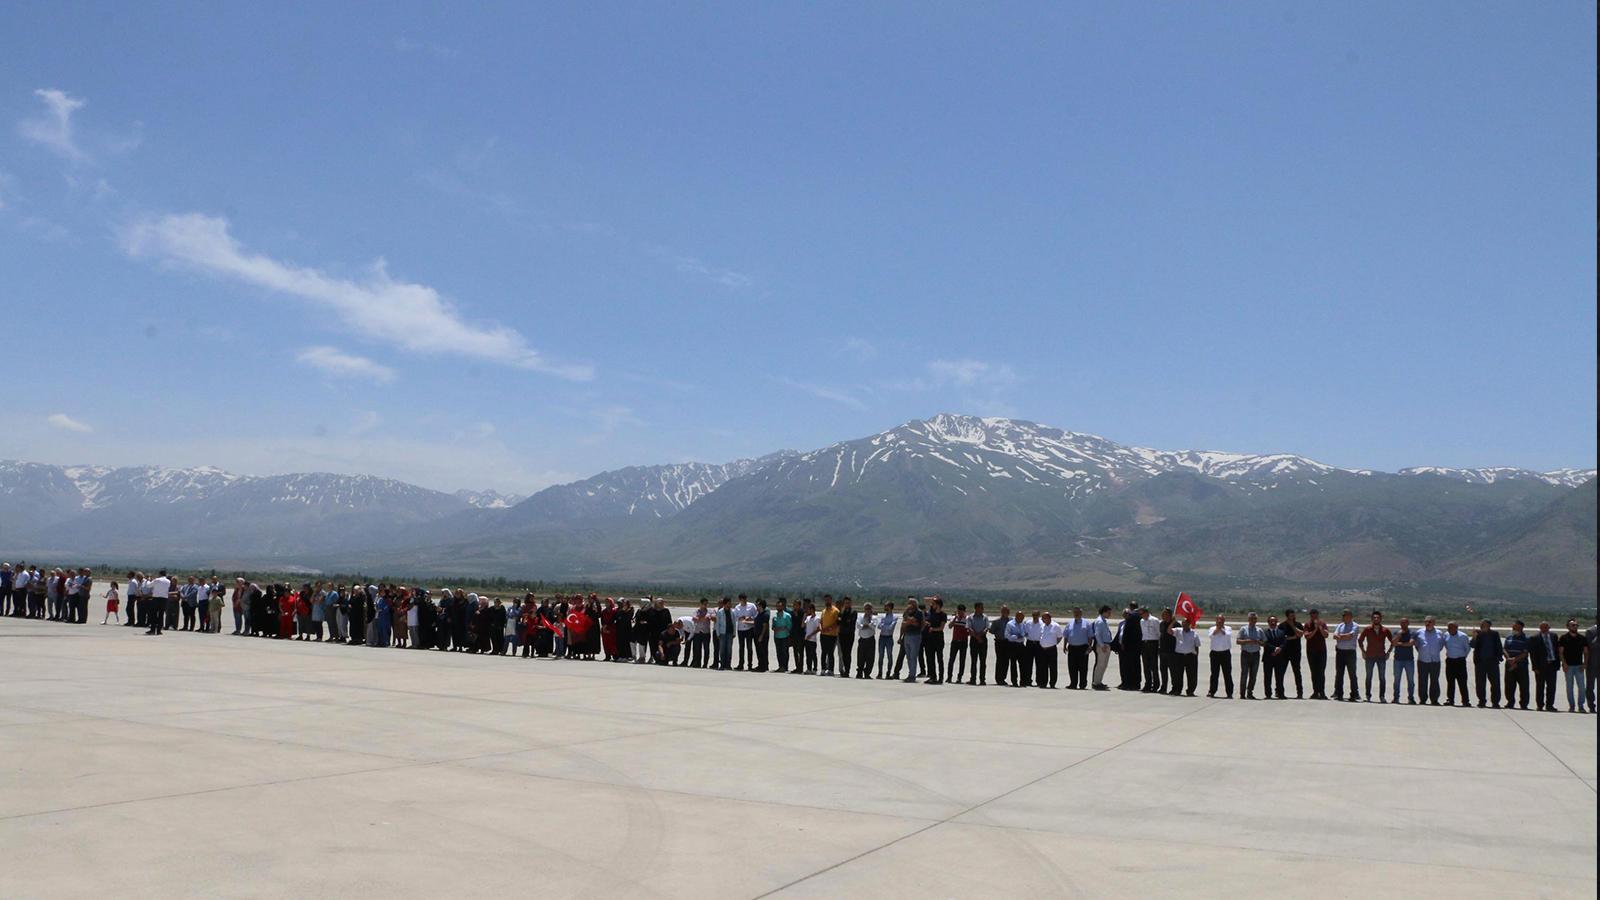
{"x": 1188, "y": 609}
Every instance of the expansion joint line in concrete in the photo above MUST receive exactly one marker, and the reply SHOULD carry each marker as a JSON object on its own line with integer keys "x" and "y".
{"x": 977, "y": 806}
{"x": 1542, "y": 746}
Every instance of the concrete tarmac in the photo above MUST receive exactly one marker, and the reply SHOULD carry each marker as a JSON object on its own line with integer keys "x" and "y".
{"x": 217, "y": 766}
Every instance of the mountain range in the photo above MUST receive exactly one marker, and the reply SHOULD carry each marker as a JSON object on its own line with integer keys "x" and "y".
{"x": 950, "y": 501}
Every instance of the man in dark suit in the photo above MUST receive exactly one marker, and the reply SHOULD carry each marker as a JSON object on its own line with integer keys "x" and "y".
{"x": 759, "y": 630}
{"x": 1545, "y": 662}
{"x": 847, "y": 635}
{"x": 1002, "y": 657}
{"x": 1488, "y": 651}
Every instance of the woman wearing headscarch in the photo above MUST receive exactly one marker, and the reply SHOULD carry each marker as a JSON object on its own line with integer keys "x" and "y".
{"x": 461, "y": 618}
{"x": 402, "y": 617}
{"x": 384, "y": 615}
{"x": 578, "y": 628}
{"x": 302, "y": 613}
{"x": 608, "y": 629}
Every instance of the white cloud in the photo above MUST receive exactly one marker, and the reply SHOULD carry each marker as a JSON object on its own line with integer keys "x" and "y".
{"x": 833, "y": 395}
{"x": 54, "y": 129}
{"x": 971, "y": 373}
{"x": 366, "y": 423}
{"x": 690, "y": 265}
{"x": 409, "y": 315}
{"x": 859, "y": 348}
{"x": 404, "y": 44}
{"x": 68, "y": 423}
{"x": 334, "y": 361}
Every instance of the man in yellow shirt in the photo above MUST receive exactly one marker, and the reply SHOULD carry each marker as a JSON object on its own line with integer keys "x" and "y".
{"x": 830, "y": 633}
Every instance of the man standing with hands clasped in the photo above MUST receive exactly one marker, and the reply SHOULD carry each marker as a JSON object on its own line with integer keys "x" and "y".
{"x": 1345, "y": 637}
{"x": 1375, "y": 643}
{"x": 1221, "y": 657}
{"x": 1049, "y": 639}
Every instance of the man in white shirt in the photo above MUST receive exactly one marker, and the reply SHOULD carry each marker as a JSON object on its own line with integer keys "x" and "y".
{"x": 1346, "y": 637}
{"x": 1221, "y": 657}
{"x": 1185, "y": 659}
{"x": 155, "y": 592}
{"x": 19, "y": 591}
{"x": 1049, "y": 639}
{"x": 1150, "y": 649}
{"x": 202, "y": 605}
{"x": 1030, "y": 648}
{"x": 745, "y": 614}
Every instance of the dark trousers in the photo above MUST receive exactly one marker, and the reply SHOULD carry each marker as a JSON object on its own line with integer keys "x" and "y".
{"x": 1027, "y": 656}
{"x": 933, "y": 656}
{"x": 747, "y": 649}
{"x": 1155, "y": 672}
{"x": 1516, "y": 682}
{"x": 1185, "y": 666}
{"x": 1078, "y": 666}
{"x": 1169, "y": 670}
{"x": 847, "y": 644}
{"x": 1344, "y": 663}
{"x": 958, "y": 651}
{"x": 154, "y": 611}
{"x": 188, "y": 617}
{"x": 1544, "y": 684}
{"x": 698, "y": 645}
{"x": 1002, "y": 660}
{"x": 1428, "y": 690}
{"x": 1488, "y": 679}
{"x": 760, "y": 641}
{"x": 1317, "y": 662}
{"x": 1290, "y": 663}
{"x": 1221, "y": 664}
{"x": 783, "y": 654}
{"x": 1249, "y": 664}
{"x": 1455, "y": 673}
{"x": 1047, "y": 667}
{"x": 830, "y": 642}
{"x": 979, "y": 647}
{"x": 864, "y": 648}
{"x": 811, "y": 656}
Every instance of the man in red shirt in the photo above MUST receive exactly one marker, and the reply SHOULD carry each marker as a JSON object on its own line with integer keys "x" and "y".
{"x": 1375, "y": 641}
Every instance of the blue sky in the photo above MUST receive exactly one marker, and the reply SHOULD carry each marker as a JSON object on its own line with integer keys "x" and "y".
{"x": 508, "y": 247}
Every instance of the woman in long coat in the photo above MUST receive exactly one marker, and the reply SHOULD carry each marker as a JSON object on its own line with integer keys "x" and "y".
{"x": 608, "y": 629}
{"x": 385, "y": 619}
{"x": 402, "y": 612}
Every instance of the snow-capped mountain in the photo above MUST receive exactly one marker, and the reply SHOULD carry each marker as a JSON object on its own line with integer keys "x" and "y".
{"x": 490, "y": 499}
{"x": 1490, "y": 475}
{"x": 948, "y": 500}
{"x": 635, "y": 492}
{"x": 972, "y": 453}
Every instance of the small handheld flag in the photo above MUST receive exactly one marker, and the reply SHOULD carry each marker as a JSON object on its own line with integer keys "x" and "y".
{"x": 1188, "y": 609}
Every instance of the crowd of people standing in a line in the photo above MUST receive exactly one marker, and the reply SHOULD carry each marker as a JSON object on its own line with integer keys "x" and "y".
{"x": 1156, "y": 651}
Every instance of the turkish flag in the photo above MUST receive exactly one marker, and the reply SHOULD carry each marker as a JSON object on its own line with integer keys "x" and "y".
{"x": 1187, "y": 609}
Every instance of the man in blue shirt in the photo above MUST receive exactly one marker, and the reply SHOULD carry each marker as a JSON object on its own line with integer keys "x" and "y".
{"x": 1430, "y": 644}
{"x": 1250, "y": 640}
{"x": 1516, "y": 652}
{"x": 1102, "y": 648}
{"x": 1457, "y": 646}
{"x": 1079, "y": 633}
{"x": 1487, "y": 653}
{"x": 1405, "y": 660}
